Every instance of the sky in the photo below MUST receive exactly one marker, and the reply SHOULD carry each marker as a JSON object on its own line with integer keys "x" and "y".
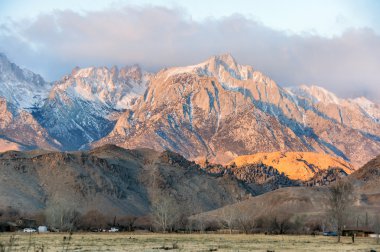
{"x": 330, "y": 43}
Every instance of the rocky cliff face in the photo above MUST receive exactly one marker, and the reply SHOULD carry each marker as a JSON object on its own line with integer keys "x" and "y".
{"x": 219, "y": 110}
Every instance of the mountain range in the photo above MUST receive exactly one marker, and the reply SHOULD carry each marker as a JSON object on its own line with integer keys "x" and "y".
{"x": 217, "y": 111}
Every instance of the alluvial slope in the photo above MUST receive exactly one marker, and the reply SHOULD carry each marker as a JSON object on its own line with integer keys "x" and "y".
{"x": 83, "y": 106}
{"x": 110, "y": 179}
{"x": 219, "y": 109}
{"x": 296, "y": 165}
{"x": 368, "y": 178}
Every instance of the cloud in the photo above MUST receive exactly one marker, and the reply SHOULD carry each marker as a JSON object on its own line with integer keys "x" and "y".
{"x": 156, "y": 37}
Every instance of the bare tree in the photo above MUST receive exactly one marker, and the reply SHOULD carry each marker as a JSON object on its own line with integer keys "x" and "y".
{"x": 128, "y": 221}
{"x": 9, "y": 214}
{"x": 61, "y": 216}
{"x": 340, "y": 199}
{"x": 376, "y": 227}
{"x": 245, "y": 219}
{"x": 279, "y": 223}
{"x": 228, "y": 218}
{"x": 165, "y": 212}
{"x": 199, "y": 222}
{"x": 93, "y": 219}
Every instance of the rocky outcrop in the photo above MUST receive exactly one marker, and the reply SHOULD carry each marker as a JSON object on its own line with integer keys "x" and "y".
{"x": 325, "y": 177}
{"x": 258, "y": 177}
{"x": 296, "y": 165}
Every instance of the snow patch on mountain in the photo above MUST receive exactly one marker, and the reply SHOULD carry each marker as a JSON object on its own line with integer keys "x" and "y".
{"x": 370, "y": 108}
{"x": 315, "y": 94}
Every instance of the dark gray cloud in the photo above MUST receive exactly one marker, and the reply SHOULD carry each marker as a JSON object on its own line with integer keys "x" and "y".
{"x": 157, "y": 37}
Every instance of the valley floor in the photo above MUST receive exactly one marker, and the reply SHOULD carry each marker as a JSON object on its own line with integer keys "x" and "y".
{"x": 178, "y": 242}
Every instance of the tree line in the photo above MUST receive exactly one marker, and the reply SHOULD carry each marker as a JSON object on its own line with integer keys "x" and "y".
{"x": 168, "y": 215}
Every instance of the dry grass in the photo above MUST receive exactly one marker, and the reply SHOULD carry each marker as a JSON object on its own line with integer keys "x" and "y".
{"x": 193, "y": 242}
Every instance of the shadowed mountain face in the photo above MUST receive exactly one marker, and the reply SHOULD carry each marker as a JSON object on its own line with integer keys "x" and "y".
{"x": 219, "y": 109}
{"x": 110, "y": 179}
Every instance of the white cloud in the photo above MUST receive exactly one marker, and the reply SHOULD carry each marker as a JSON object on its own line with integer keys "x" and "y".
{"x": 156, "y": 37}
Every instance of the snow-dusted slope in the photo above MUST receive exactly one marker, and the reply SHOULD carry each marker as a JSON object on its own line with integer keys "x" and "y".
{"x": 81, "y": 107}
{"x": 115, "y": 88}
{"x": 368, "y": 107}
{"x": 360, "y": 113}
{"x": 315, "y": 94}
{"x": 21, "y": 87}
{"x": 21, "y": 91}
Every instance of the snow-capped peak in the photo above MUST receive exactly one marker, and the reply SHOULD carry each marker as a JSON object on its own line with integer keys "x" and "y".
{"x": 222, "y": 67}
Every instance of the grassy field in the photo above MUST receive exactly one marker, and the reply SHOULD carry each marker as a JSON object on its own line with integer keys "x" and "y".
{"x": 178, "y": 242}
